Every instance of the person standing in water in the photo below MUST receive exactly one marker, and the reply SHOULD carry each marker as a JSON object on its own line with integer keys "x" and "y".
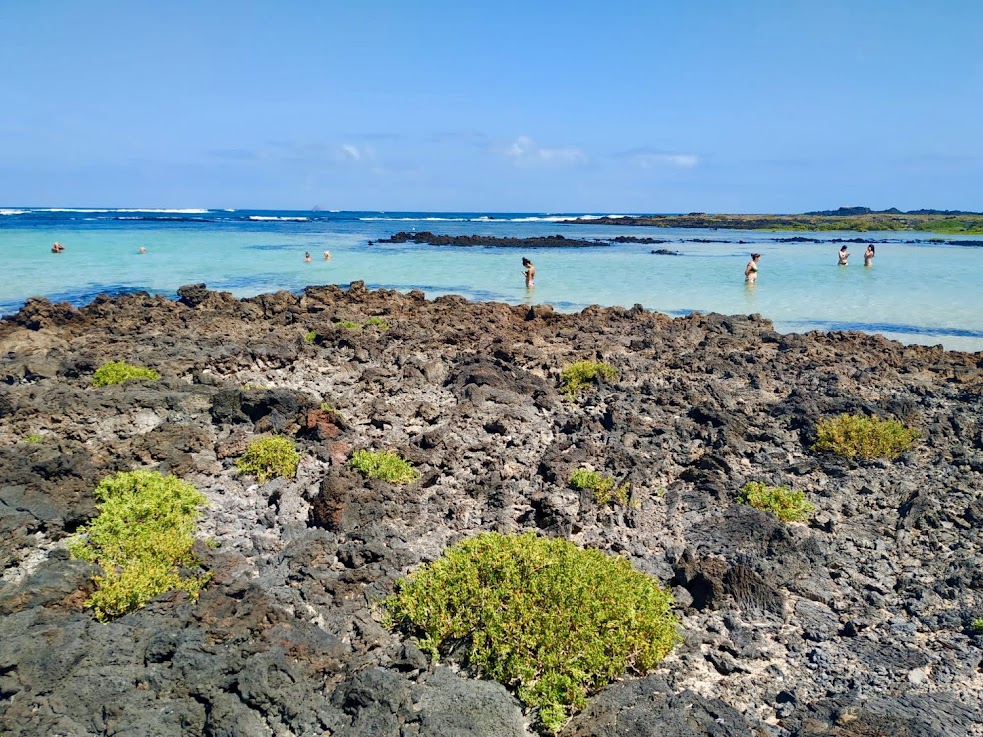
{"x": 57, "y": 247}
{"x": 844, "y": 255}
{"x": 869, "y": 256}
{"x": 327, "y": 255}
{"x": 307, "y": 256}
{"x": 751, "y": 270}
{"x": 530, "y": 273}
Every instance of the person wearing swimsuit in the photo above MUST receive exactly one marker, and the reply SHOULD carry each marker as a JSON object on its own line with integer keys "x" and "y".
{"x": 869, "y": 256}
{"x": 751, "y": 270}
{"x": 530, "y": 273}
{"x": 844, "y": 255}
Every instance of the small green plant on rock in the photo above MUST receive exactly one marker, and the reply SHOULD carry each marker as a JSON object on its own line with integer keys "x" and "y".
{"x": 270, "y": 457}
{"x": 117, "y": 372}
{"x": 141, "y": 537}
{"x": 553, "y": 621}
{"x": 348, "y": 324}
{"x": 785, "y": 503}
{"x": 35, "y": 438}
{"x": 577, "y": 376}
{"x": 601, "y": 486}
{"x": 385, "y": 465}
{"x": 977, "y": 626}
{"x": 311, "y": 336}
{"x": 859, "y": 436}
{"x": 377, "y": 322}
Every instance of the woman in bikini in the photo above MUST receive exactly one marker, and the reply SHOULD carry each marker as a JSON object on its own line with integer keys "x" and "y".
{"x": 530, "y": 273}
{"x": 751, "y": 270}
{"x": 869, "y": 256}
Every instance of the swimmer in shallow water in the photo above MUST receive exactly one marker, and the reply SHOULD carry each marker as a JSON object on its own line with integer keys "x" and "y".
{"x": 143, "y": 249}
{"x": 844, "y": 255}
{"x": 327, "y": 255}
{"x": 751, "y": 270}
{"x": 869, "y": 256}
{"x": 57, "y": 247}
{"x": 307, "y": 256}
{"x": 530, "y": 273}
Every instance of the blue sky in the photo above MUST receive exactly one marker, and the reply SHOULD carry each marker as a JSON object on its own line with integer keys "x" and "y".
{"x": 509, "y": 106}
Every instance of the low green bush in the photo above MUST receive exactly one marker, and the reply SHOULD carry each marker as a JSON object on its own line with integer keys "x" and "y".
{"x": 350, "y": 325}
{"x": 270, "y": 457}
{"x": 35, "y": 438}
{"x": 540, "y": 615}
{"x": 385, "y": 465}
{"x": 117, "y": 372}
{"x": 600, "y": 485}
{"x": 577, "y": 376}
{"x": 859, "y": 436}
{"x": 977, "y": 626}
{"x": 311, "y": 336}
{"x": 785, "y": 503}
{"x": 141, "y": 537}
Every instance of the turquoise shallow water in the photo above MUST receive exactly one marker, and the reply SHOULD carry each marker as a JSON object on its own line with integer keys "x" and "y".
{"x": 921, "y": 291}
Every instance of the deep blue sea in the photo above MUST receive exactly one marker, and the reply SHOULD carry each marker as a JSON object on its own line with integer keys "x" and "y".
{"x": 922, "y": 287}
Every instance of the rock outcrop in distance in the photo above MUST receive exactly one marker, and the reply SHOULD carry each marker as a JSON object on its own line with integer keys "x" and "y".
{"x": 845, "y": 220}
{"x": 491, "y": 241}
{"x": 858, "y": 622}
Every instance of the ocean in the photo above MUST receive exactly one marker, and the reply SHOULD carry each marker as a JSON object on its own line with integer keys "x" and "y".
{"x": 922, "y": 288}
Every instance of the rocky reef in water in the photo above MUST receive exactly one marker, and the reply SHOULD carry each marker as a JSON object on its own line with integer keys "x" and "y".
{"x": 856, "y": 623}
{"x": 491, "y": 241}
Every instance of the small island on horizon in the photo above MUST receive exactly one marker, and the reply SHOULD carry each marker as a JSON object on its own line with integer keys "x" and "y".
{"x": 844, "y": 218}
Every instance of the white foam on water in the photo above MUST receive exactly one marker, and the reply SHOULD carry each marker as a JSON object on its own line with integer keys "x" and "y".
{"x": 416, "y": 220}
{"x": 175, "y": 211}
{"x": 13, "y": 212}
{"x": 275, "y": 217}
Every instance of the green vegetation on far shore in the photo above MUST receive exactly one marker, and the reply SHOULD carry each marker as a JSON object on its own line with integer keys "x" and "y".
{"x": 933, "y": 222}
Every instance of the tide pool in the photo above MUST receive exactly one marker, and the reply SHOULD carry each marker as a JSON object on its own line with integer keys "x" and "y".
{"x": 922, "y": 291}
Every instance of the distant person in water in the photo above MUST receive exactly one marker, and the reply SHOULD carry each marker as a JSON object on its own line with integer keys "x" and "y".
{"x": 869, "y": 256}
{"x": 307, "y": 256}
{"x": 143, "y": 249}
{"x": 530, "y": 273}
{"x": 751, "y": 270}
{"x": 327, "y": 255}
{"x": 844, "y": 255}
{"x": 57, "y": 247}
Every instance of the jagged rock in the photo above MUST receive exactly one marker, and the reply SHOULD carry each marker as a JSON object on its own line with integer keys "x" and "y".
{"x": 856, "y": 620}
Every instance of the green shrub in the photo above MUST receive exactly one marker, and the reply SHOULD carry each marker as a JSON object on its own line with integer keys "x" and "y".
{"x": 116, "y": 372}
{"x": 35, "y": 438}
{"x": 977, "y": 626}
{"x": 378, "y": 322}
{"x": 577, "y": 376}
{"x": 785, "y": 503}
{"x": 270, "y": 457}
{"x": 554, "y": 621}
{"x": 602, "y": 486}
{"x": 311, "y": 336}
{"x": 350, "y": 325}
{"x": 142, "y": 535}
{"x": 859, "y": 436}
{"x": 383, "y": 464}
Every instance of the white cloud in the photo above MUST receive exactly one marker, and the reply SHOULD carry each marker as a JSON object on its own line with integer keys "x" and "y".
{"x": 664, "y": 160}
{"x": 524, "y": 150}
{"x": 351, "y": 151}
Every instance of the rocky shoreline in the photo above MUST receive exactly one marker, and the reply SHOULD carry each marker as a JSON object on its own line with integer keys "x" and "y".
{"x": 855, "y": 624}
{"x": 847, "y": 219}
